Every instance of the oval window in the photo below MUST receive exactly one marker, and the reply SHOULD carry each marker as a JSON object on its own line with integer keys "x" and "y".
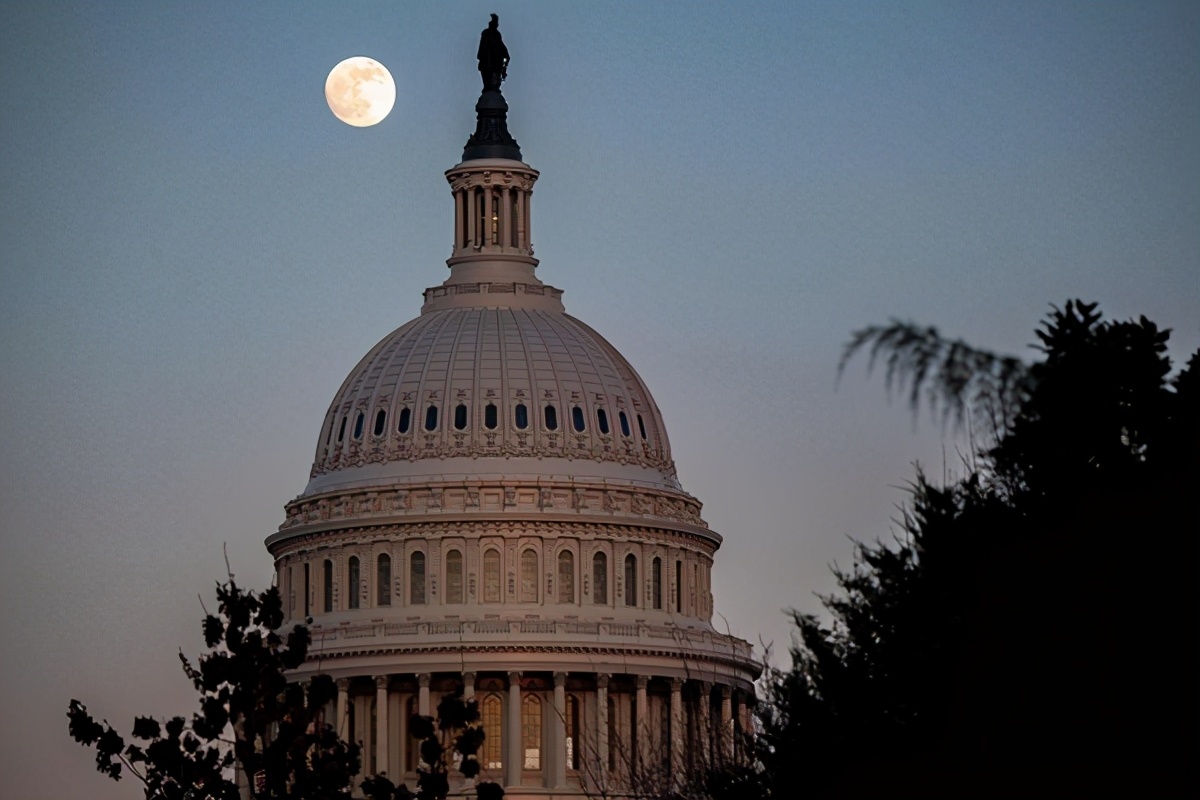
{"x": 551, "y": 419}
{"x": 342, "y": 429}
{"x": 380, "y": 421}
{"x": 460, "y": 417}
{"x": 624, "y": 420}
{"x": 602, "y": 420}
{"x": 358, "y": 425}
{"x": 431, "y": 418}
{"x": 405, "y": 420}
{"x": 489, "y": 417}
{"x": 642, "y": 427}
{"x": 522, "y": 417}
{"x": 577, "y": 418}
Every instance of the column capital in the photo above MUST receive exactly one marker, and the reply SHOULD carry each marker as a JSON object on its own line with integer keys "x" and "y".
{"x": 676, "y": 685}
{"x": 726, "y": 692}
{"x": 640, "y": 681}
{"x": 423, "y": 680}
{"x": 468, "y": 678}
{"x": 381, "y": 681}
{"x": 343, "y": 684}
{"x": 560, "y": 679}
{"x": 514, "y": 677}
{"x": 602, "y": 679}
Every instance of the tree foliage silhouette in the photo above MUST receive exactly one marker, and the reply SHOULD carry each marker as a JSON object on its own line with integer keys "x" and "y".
{"x": 249, "y": 716}
{"x": 1034, "y": 623}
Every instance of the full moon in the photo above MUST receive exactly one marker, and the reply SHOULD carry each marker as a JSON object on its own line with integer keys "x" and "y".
{"x": 360, "y": 91}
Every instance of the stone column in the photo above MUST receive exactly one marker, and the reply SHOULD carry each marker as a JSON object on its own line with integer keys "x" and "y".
{"x": 514, "y": 761}
{"x": 505, "y": 222}
{"x": 559, "y": 726}
{"x": 381, "y": 723}
{"x": 639, "y": 728}
{"x": 726, "y": 722}
{"x": 602, "y": 730}
{"x": 423, "y": 694}
{"x": 459, "y": 220}
{"x": 468, "y": 685}
{"x": 705, "y": 724}
{"x": 339, "y": 718}
{"x": 678, "y": 734}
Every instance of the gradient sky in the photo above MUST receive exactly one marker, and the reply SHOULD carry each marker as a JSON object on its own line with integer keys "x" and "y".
{"x": 194, "y": 253}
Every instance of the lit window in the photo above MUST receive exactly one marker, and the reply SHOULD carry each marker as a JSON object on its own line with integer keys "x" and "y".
{"x": 522, "y": 417}
{"x": 460, "y": 417}
{"x": 431, "y": 418}
{"x": 358, "y": 425}
{"x": 529, "y": 577}
{"x": 405, "y": 420}
{"x": 624, "y": 423}
{"x": 380, "y": 421}
{"x": 600, "y": 579}
{"x": 656, "y": 582}
{"x": 352, "y": 581}
{"x": 454, "y": 576}
{"x": 551, "y": 419}
{"x": 489, "y": 417}
{"x": 491, "y": 576}
{"x": 577, "y": 418}
{"x": 566, "y": 577}
{"x": 531, "y": 731}
{"x": 630, "y": 580}
{"x": 491, "y": 715}
{"x": 416, "y": 579}
{"x": 383, "y": 581}
{"x": 602, "y": 420}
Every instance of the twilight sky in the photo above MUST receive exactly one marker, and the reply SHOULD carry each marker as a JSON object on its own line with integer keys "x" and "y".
{"x": 194, "y": 253}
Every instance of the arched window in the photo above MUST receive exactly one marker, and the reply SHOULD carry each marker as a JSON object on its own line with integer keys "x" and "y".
{"x": 566, "y": 577}
{"x": 358, "y": 425}
{"x": 454, "y": 576}
{"x": 600, "y": 579}
{"x": 380, "y": 422}
{"x": 551, "y": 419}
{"x": 489, "y": 416}
{"x": 491, "y": 576}
{"x": 490, "y": 713}
{"x": 353, "y": 575}
{"x": 522, "y": 417}
{"x": 327, "y": 586}
{"x": 383, "y": 580}
{"x": 642, "y": 427}
{"x": 342, "y": 430}
{"x": 577, "y": 418}
{"x": 416, "y": 579}
{"x": 431, "y": 418}
{"x": 460, "y": 417}
{"x": 602, "y": 420}
{"x": 574, "y": 742}
{"x": 631, "y": 580}
{"x": 656, "y": 582}
{"x": 624, "y": 423}
{"x": 531, "y": 731}
{"x": 529, "y": 576}
{"x": 405, "y": 420}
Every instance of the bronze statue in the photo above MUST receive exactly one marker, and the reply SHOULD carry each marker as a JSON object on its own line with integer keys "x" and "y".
{"x": 493, "y": 56}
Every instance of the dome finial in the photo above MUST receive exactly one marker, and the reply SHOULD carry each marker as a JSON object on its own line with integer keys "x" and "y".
{"x": 491, "y": 138}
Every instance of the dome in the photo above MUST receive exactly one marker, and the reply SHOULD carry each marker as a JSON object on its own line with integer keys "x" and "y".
{"x": 485, "y": 389}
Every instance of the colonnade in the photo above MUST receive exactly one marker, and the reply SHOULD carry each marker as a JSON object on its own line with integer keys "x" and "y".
{"x": 554, "y": 730}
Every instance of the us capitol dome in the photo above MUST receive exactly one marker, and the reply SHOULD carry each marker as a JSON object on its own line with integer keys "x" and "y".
{"x": 493, "y": 506}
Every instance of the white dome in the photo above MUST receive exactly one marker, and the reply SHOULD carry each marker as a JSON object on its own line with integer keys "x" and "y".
{"x": 478, "y": 390}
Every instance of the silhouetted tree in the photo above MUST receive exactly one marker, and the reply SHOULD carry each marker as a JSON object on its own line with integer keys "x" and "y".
{"x": 1034, "y": 625}
{"x": 250, "y": 715}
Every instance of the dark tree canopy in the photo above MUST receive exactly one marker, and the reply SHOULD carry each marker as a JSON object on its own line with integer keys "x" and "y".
{"x": 249, "y": 715}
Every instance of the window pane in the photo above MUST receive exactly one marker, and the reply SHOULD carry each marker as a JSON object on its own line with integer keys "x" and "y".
{"x": 577, "y": 418}
{"x": 656, "y": 582}
{"x": 328, "y": 586}
{"x": 531, "y": 731}
{"x": 342, "y": 429}
{"x": 624, "y": 423}
{"x": 380, "y": 422}
{"x": 492, "y": 731}
{"x": 454, "y": 577}
{"x": 522, "y": 416}
{"x": 491, "y": 576}
{"x": 489, "y": 417}
{"x": 600, "y": 579}
{"x": 551, "y": 419}
{"x": 383, "y": 581}
{"x": 602, "y": 420}
{"x": 405, "y": 419}
{"x": 529, "y": 577}
{"x": 431, "y": 418}
{"x": 358, "y": 426}
{"x": 566, "y": 577}
{"x": 630, "y": 580}
{"x": 460, "y": 417}
{"x": 416, "y": 579}
{"x": 642, "y": 427}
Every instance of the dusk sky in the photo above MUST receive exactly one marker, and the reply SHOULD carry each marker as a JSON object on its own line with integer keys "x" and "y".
{"x": 194, "y": 253}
